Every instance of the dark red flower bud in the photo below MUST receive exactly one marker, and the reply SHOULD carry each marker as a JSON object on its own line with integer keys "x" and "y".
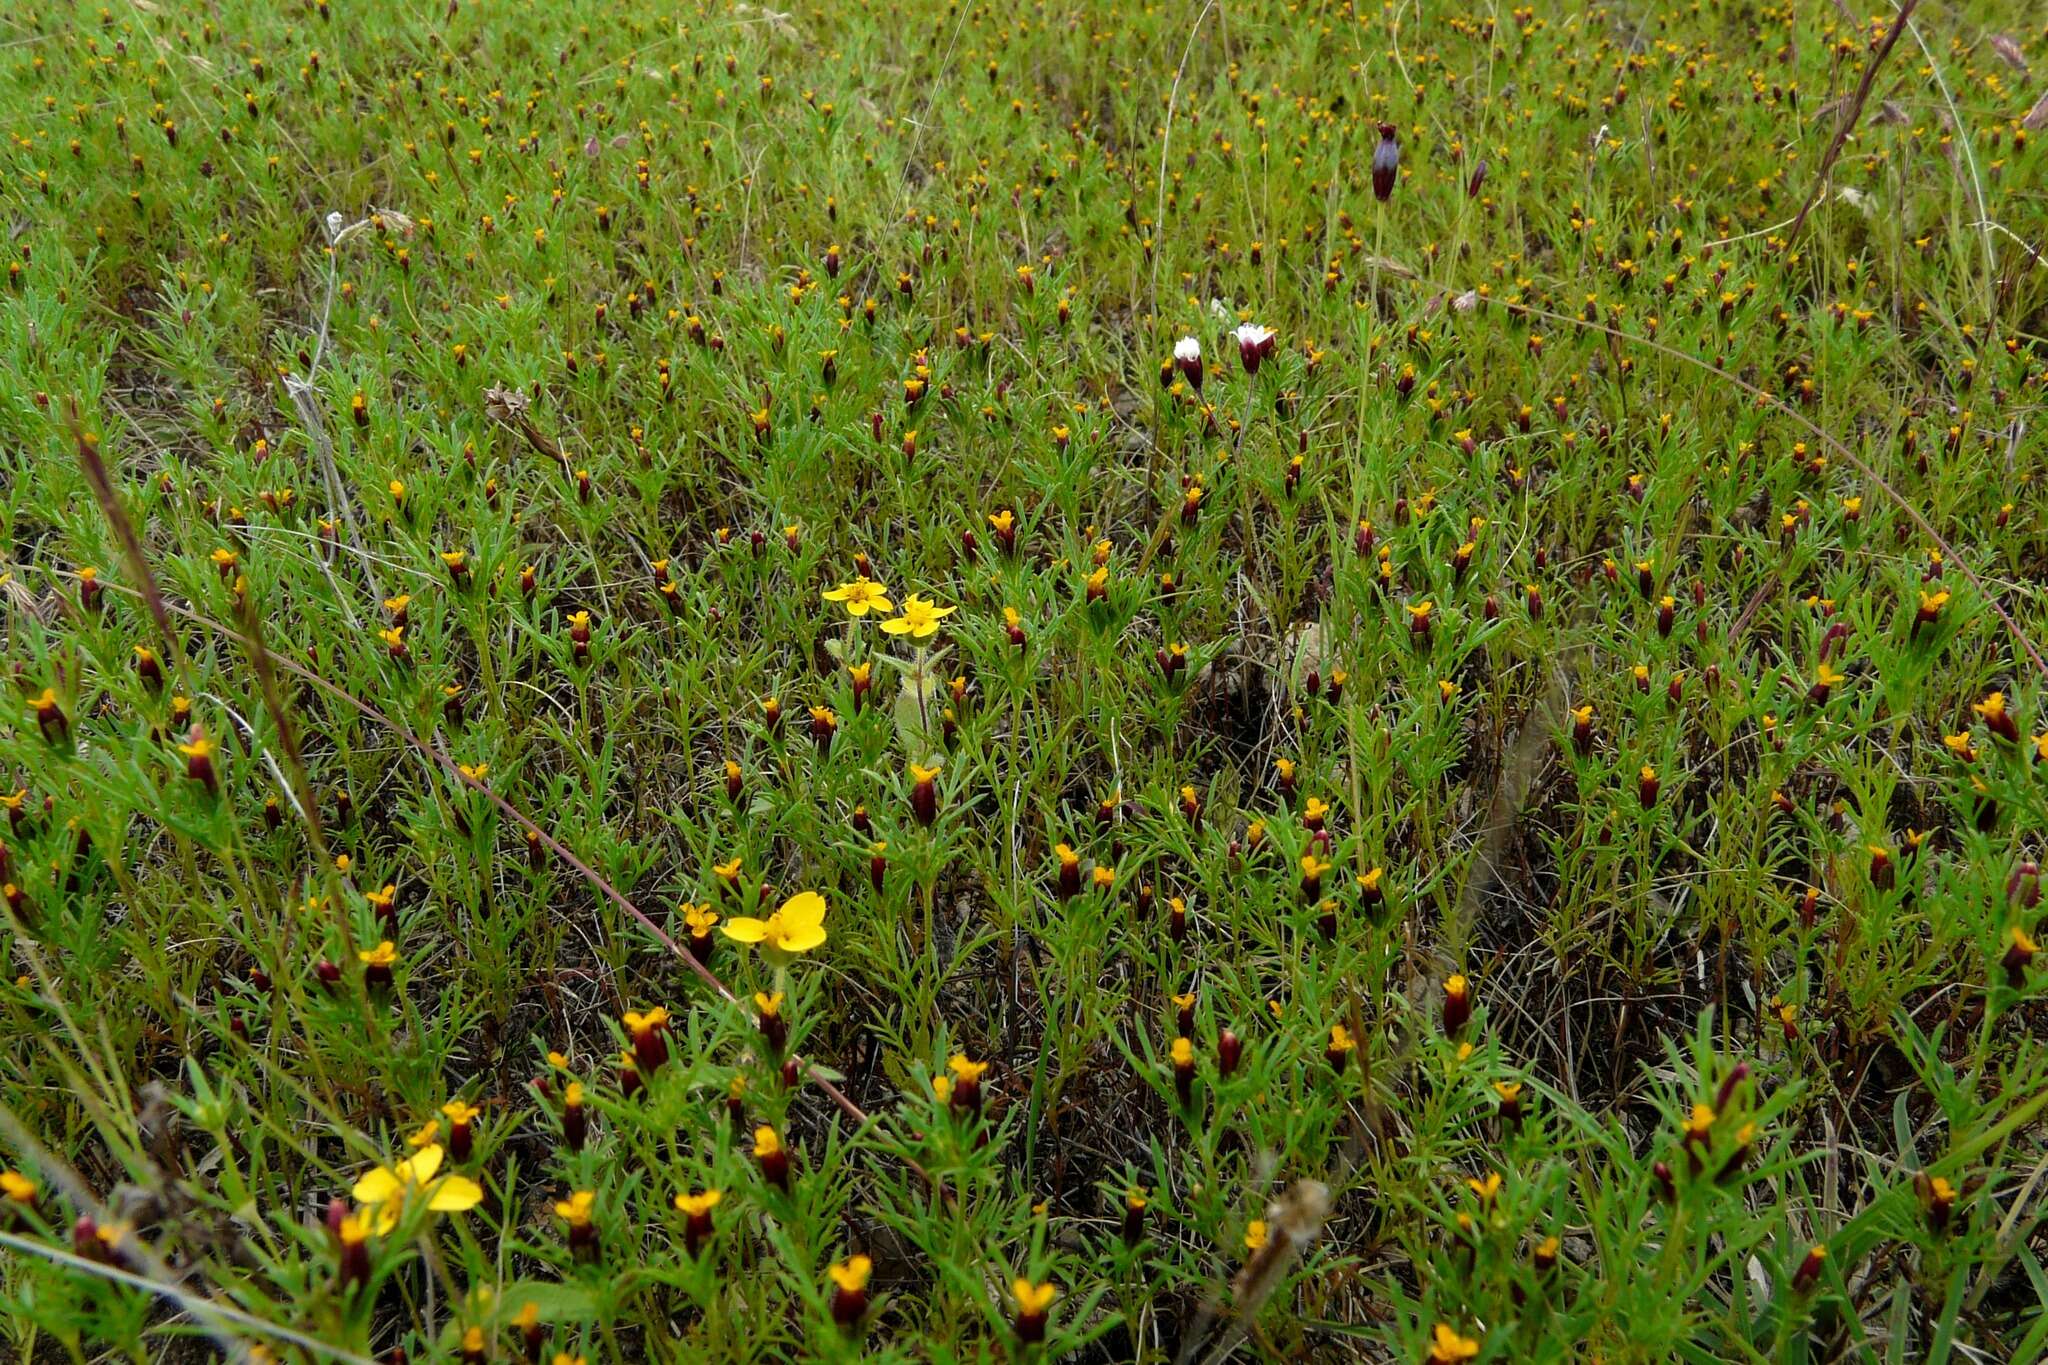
{"x": 1808, "y": 1274}
{"x": 1386, "y": 163}
{"x": 1457, "y": 1003}
{"x": 1183, "y": 1054}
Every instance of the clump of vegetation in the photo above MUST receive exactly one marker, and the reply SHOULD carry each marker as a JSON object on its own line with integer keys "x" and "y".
{"x": 1302, "y": 681}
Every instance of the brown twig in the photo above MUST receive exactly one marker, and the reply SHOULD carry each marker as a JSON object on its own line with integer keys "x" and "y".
{"x": 1849, "y": 117}
{"x": 88, "y": 447}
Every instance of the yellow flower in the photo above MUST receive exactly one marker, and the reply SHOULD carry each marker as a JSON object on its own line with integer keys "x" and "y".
{"x": 1255, "y": 1235}
{"x": 638, "y": 1023}
{"x": 384, "y": 954}
{"x": 1033, "y": 1299}
{"x": 861, "y": 596}
{"x": 1701, "y": 1123}
{"x": 964, "y": 1069}
{"x": 1449, "y": 1348}
{"x": 796, "y": 927}
{"x": 852, "y": 1274}
{"x": 17, "y": 1187}
{"x": 458, "y": 1111}
{"x": 694, "y": 1204}
{"x": 391, "y": 1188}
{"x": 920, "y": 619}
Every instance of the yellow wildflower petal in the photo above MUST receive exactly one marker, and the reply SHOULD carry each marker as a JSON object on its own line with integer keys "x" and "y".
{"x": 745, "y": 928}
{"x": 456, "y": 1194}
{"x": 377, "y": 1187}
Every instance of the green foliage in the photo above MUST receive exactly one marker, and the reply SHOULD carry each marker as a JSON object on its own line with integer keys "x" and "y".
{"x": 1508, "y": 831}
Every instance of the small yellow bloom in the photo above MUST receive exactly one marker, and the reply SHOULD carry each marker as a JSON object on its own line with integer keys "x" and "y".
{"x": 796, "y": 927}
{"x": 391, "y": 1188}
{"x": 920, "y": 619}
{"x": 1701, "y": 1122}
{"x": 1448, "y": 1347}
{"x": 694, "y": 1204}
{"x": 861, "y": 596}
{"x": 1255, "y": 1235}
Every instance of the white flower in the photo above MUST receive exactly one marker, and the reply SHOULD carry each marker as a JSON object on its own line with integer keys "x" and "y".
{"x": 1187, "y": 350}
{"x": 1254, "y": 343}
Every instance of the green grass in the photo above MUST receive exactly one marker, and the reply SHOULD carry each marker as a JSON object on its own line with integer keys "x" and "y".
{"x": 427, "y": 442}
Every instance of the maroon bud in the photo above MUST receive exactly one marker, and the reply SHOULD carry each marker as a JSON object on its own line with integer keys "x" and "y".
{"x": 1386, "y": 162}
